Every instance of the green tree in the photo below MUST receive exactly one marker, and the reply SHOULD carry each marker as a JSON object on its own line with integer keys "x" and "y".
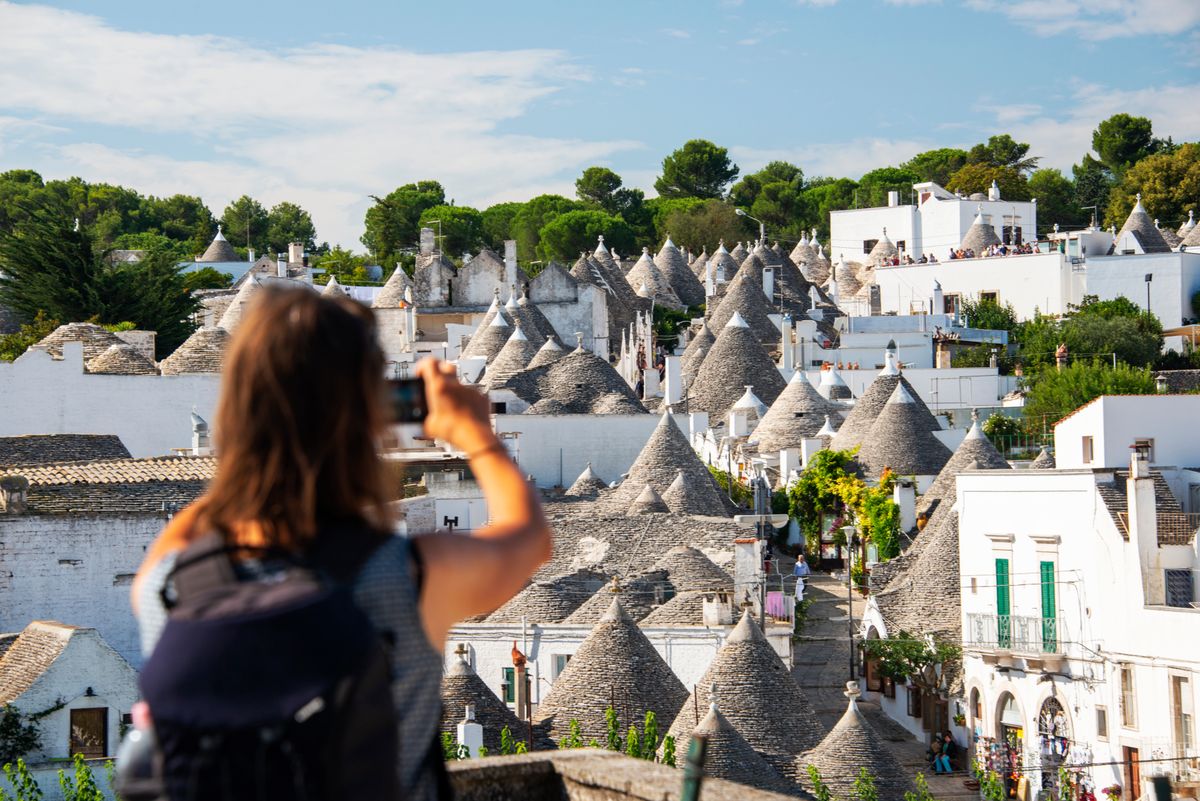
{"x": 506, "y": 742}
{"x": 1122, "y": 141}
{"x": 566, "y": 235}
{"x": 346, "y": 266}
{"x": 13, "y": 345}
{"x": 746, "y": 191}
{"x": 598, "y": 186}
{"x": 864, "y": 788}
{"x": 990, "y": 315}
{"x": 904, "y": 656}
{"x": 1056, "y": 199}
{"x": 82, "y": 786}
{"x": 47, "y": 266}
{"x": 574, "y": 738}
{"x": 149, "y": 240}
{"x": 245, "y": 223}
{"x": 936, "y": 165}
{"x": 698, "y": 169}
{"x": 206, "y": 278}
{"x": 819, "y": 789}
{"x": 288, "y": 223}
{"x": 978, "y": 177}
{"x": 1093, "y": 185}
{"x": 874, "y": 186}
{"x": 153, "y": 294}
{"x": 703, "y": 225}
{"x": 392, "y": 223}
{"x": 461, "y": 227}
{"x": 21, "y": 780}
{"x": 1003, "y": 151}
{"x": 612, "y": 729}
{"x": 184, "y": 219}
{"x": 19, "y": 189}
{"x": 528, "y": 222}
{"x": 18, "y": 734}
{"x": 1169, "y": 183}
{"x": 668, "y": 749}
{"x": 1055, "y": 394}
{"x": 781, "y": 207}
{"x": 650, "y": 740}
{"x": 633, "y": 743}
{"x": 824, "y": 195}
{"x": 922, "y": 793}
{"x": 497, "y": 224}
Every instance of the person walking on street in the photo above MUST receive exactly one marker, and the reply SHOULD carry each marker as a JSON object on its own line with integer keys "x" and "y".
{"x": 802, "y": 571}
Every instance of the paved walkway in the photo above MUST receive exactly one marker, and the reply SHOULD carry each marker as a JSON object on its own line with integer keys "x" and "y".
{"x": 822, "y": 668}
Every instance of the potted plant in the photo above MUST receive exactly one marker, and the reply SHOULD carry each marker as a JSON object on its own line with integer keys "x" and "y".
{"x": 972, "y": 782}
{"x": 991, "y": 787}
{"x": 1112, "y": 792}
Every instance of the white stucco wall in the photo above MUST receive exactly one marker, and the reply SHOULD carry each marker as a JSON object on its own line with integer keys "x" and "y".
{"x": 1115, "y": 421}
{"x": 151, "y": 414}
{"x": 555, "y": 449}
{"x": 76, "y": 569}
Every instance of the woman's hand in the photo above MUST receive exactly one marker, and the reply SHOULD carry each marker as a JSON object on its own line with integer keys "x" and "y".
{"x": 457, "y": 414}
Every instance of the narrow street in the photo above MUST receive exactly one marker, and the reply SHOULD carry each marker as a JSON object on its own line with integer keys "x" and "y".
{"x": 822, "y": 668}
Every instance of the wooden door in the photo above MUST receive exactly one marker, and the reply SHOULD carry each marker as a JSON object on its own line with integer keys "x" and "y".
{"x": 89, "y": 732}
{"x": 1133, "y": 773}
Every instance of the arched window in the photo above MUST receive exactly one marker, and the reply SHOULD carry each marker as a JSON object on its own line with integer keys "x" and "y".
{"x": 976, "y": 710}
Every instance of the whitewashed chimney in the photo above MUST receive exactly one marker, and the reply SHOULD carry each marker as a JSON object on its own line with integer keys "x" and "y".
{"x": 470, "y": 733}
{"x": 427, "y": 242}
{"x": 510, "y": 262}
{"x": 296, "y": 253}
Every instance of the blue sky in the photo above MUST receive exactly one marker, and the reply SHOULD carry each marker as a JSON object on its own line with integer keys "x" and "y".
{"x": 323, "y": 103}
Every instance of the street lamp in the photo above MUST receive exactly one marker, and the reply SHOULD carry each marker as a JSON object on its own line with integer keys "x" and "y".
{"x": 851, "y": 542}
{"x": 762, "y": 229}
{"x": 1149, "y": 278}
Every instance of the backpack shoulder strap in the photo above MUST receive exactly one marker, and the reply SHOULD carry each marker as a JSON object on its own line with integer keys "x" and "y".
{"x": 202, "y": 566}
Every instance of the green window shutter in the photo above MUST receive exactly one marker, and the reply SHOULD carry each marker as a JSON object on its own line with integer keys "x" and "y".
{"x": 1049, "y": 609}
{"x": 510, "y": 686}
{"x": 1003, "y": 605}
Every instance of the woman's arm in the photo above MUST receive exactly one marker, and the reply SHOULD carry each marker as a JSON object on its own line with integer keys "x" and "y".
{"x": 470, "y": 575}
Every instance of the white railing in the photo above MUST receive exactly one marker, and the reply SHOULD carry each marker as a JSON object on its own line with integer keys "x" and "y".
{"x": 1015, "y": 633}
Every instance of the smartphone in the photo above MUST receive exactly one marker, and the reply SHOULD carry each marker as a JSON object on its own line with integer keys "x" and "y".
{"x": 407, "y": 399}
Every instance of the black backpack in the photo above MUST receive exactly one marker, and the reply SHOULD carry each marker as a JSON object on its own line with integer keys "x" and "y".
{"x": 270, "y": 690}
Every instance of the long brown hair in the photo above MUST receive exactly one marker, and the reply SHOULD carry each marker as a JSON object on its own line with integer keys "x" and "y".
{"x": 299, "y": 417}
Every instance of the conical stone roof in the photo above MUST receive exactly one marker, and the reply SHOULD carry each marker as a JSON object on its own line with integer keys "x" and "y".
{"x": 723, "y": 265}
{"x": 852, "y": 745}
{"x": 976, "y": 451}
{"x": 758, "y": 696}
{"x": 699, "y": 266}
{"x": 832, "y": 386}
{"x": 803, "y": 253}
{"x": 488, "y": 340}
{"x": 638, "y": 596}
{"x": 1147, "y": 232}
{"x": 122, "y": 359}
{"x": 202, "y": 352}
{"x": 687, "y": 497}
{"x": 665, "y": 455}
{"x": 96, "y": 340}
{"x": 647, "y": 502}
{"x": 980, "y": 235}
{"x": 615, "y": 665}
{"x": 884, "y": 249}
{"x": 1044, "y": 461}
{"x": 219, "y": 250}
{"x": 674, "y": 268}
{"x": 587, "y": 485}
{"x": 578, "y": 383}
{"x": 462, "y": 686}
{"x": 862, "y": 416}
{"x": 1187, "y": 226}
{"x": 729, "y": 757}
{"x": 1192, "y": 240}
{"x": 533, "y": 320}
{"x": 739, "y": 253}
{"x": 746, "y": 298}
{"x": 847, "y": 278}
{"x": 647, "y": 274}
{"x": 514, "y": 357}
{"x": 333, "y": 288}
{"x": 548, "y": 353}
{"x": 923, "y": 592}
{"x": 392, "y": 293}
{"x": 550, "y": 601}
{"x": 1170, "y": 237}
{"x": 797, "y": 414}
{"x": 735, "y": 360}
{"x": 694, "y": 353}
{"x": 689, "y": 569}
{"x": 237, "y": 307}
{"x": 900, "y": 439}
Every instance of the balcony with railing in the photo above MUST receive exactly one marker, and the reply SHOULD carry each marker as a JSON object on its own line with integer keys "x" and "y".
{"x": 1038, "y": 638}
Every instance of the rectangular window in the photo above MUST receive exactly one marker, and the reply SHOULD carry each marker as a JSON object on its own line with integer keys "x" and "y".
{"x": 509, "y": 685}
{"x": 89, "y": 732}
{"x": 900, "y": 245}
{"x": 560, "y": 662}
{"x": 1128, "y": 699}
{"x": 1181, "y": 715}
{"x": 950, "y": 303}
{"x": 1088, "y": 450}
{"x": 914, "y": 701}
{"x": 1003, "y": 605}
{"x": 1102, "y": 722}
{"x": 499, "y": 407}
{"x": 1179, "y": 587}
{"x": 869, "y": 245}
{"x": 990, "y": 297}
{"x": 1049, "y": 610}
{"x": 1010, "y": 235}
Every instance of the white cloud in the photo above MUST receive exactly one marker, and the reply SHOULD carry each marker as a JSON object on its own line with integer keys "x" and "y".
{"x": 322, "y": 125}
{"x": 1098, "y": 19}
{"x": 849, "y": 159}
{"x": 677, "y": 33}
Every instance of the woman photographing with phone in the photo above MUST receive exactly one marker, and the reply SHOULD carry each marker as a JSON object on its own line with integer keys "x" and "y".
{"x": 278, "y": 597}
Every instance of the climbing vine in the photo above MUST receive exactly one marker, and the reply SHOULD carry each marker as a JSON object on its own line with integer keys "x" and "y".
{"x": 906, "y": 657}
